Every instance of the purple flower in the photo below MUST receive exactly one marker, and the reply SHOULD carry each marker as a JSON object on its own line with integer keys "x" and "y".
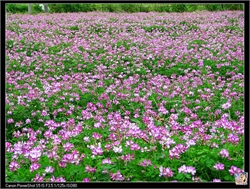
{"x": 219, "y": 166}
{"x": 162, "y": 110}
{"x": 48, "y": 134}
{"x": 107, "y": 161}
{"x": 226, "y": 106}
{"x": 35, "y": 153}
{"x": 8, "y": 146}
{"x": 28, "y": 121}
{"x": 68, "y": 146}
{"x": 60, "y": 179}
{"x": 68, "y": 158}
{"x": 216, "y": 180}
{"x": 166, "y": 172}
{"x": 14, "y": 166}
{"x": 224, "y": 153}
{"x": 187, "y": 169}
{"x": 97, "y": 151}
{"x": 34, "y": 167}
{"x": 10, "y": 121}
{"x": 89, "y": 169}
{"x": 134, "y": 147}
{"x": 234, "y": 139}
{"x": 191, "y": 170}
{"x": 145, "y": 163}
{"x": 56, "y": 139}
{"x": 62, "y": 164}
{"x": 86, "y": 180}
{"x": 182, "y": 169}
{"x": 86, "y": 139}
{"x": 49, "y": 169}
{"x": 233, "y": 170}
{"x": 96, "y": 136}
{"x": 38, "y": 178}
{"x": 116, "y": 176}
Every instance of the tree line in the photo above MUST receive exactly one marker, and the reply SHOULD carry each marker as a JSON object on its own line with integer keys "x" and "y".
{"x": 120, "y": 7}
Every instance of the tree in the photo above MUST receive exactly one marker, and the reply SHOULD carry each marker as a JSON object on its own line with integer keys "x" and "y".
{"x": 29, "y": 8}
{"x": 46, "y": 7}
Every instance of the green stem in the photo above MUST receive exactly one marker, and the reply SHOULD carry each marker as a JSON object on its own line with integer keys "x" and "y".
{"x": 207, "y": 176}
{"x": 229, "y": 115}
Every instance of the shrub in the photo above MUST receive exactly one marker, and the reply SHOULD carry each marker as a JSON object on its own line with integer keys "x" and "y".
{"x": 214, "y": 7}
{"x": 145, "y": 8}
{"x": 178, "y": 8}
{"x": 164, "y": 8}
{"x": 192, "y": 7}
{"x": 130, "y": 7}
{"x": 36, "y": 8}
{"x": 17, "y": 8}
{"x": 233, "y": 6}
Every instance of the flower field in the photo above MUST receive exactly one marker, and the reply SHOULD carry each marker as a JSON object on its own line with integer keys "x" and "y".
{"x": 125, "y": 97}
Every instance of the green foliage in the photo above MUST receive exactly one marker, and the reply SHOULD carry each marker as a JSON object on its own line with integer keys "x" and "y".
{"x": 23, "y": 8}
{"x": 17, "y": 8}
{"x": 163, "y": 8}
{"x": 178, "y": 8}
{"x": 200, "y": 156}
{"x": 214, "y": 7}
{"x": 154, "y": 27}
{"x": 191, "y": 7}
{"x": 123, "y": 7}
{"x": 129, "y": 7}
{"x": 233, "y": 7}
{"x": 111, "y": 8}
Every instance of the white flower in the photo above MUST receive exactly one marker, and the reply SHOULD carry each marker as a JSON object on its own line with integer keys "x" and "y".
{"x": 117, "y": 149}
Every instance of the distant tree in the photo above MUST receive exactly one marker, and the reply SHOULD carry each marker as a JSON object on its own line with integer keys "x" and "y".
{"x": 46, "y": 9}
{"x": 29, "y": 8}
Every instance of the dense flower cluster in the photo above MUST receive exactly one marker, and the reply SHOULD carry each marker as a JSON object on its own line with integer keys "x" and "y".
{"x": 108, "y": 96}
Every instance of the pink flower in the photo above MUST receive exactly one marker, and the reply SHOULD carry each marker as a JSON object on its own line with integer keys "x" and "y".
{"x": 234, "y": 139}
{"x": 97, "y": 151}
{"x": 219, "y": 166}
{"x": 224, "y": 153}
{"x": 116, "y": 176}
{"x": 27, "y": 121}
{"x": 166, "y": 172}
{"x": 62, "y": 164}
{"x": 38, "y": 178}
{"x": 233, "y": 170}
{"x": 8, "y": 146}
{"x": 187, "y": 169}
{"x": 49, "y": 169}
{"x": 86, "y": 180}
{"x": 107, "y": 161}
{"x": 68, "y": 146}
{"x": 35, "y": 153}
{"x": 89, "y": 169}
{"x": 134, "y": 147}
{"x": 216, "y": 180}
{"x": 226, "y": 106}
{"x": 10, "y": 121}
{"x": 60, "y": 179}
{"x": 145, "y": 163}
{"x": 34, "y": 167}
{"x": 14, "y": 166}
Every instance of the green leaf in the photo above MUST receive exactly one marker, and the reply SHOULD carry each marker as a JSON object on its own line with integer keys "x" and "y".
{"x": 188, "y": 176}
{"x": 229, "y": 178}
{"x": 179, "y": 176}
